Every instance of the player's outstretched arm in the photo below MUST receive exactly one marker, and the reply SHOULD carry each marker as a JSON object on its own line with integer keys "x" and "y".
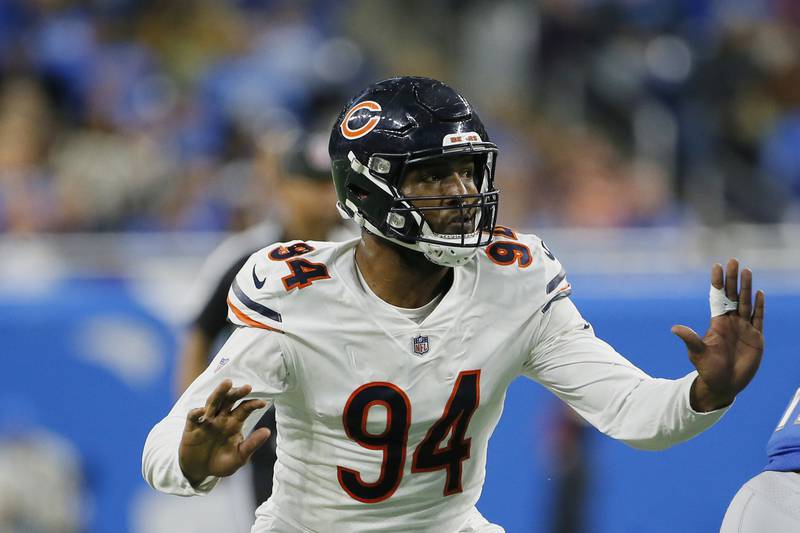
{"x": 212, "y": 443}
{"x": 728, "y": 355}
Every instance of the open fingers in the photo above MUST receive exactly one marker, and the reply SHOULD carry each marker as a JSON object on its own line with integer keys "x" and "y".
{"x": 694, "y": 343}
{"x": 237, "y": 393}
{"x": 217, "y": 396}
{"x": 224, "y": 396}
{"x": 716, "y": 276}
{"x": 195, "y": 417}
{"x": 758, "y": 312}
{"x": 253, "y": 442}
{"x": 233, "y": 395}
{"x": 731, "y": 280}
{"x": 745, "y": 294}
{"x": 244, "y": 409}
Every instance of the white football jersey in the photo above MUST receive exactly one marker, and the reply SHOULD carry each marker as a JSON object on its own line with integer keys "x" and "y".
{"x": 384, "y": 422}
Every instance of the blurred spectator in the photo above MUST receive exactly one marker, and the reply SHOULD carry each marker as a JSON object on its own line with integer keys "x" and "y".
{"x": 40, "y": 476}
{"x": 28, "y": 199}
{"x": 780, "y": 156}
{"x": 607, "y": 112}
{"x": 40, "y": 485}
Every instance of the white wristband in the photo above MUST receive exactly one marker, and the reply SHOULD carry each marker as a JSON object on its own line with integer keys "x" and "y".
{"x": 720, "y": 303}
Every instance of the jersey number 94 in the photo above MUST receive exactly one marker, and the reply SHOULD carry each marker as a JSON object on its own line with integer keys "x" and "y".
{"x": 429, "y": 455}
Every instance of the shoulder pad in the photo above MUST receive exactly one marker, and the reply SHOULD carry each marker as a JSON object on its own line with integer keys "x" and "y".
{"x": 254, "y": 296}
{"x": 270, "y": 276}
{"x": 527, "y": 255}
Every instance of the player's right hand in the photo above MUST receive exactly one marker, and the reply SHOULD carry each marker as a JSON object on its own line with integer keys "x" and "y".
{"x": 212, "y": 443}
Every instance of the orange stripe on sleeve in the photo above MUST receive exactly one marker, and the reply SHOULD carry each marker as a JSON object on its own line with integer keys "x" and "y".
{"x": 249, "y": 321}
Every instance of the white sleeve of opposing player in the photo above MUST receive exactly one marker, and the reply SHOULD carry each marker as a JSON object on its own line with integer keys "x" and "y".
{"x": 250, "y": 356}
{"x": 607, "y": 390}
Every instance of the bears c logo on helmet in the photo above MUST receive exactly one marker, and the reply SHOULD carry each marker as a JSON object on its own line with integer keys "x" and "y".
{"x": 373, "y": 109}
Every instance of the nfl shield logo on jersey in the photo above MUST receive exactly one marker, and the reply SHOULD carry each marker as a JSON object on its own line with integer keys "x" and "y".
{"x": 421, "y": 345}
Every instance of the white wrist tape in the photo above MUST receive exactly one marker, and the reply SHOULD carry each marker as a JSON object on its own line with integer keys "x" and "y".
{"x": 720, "y": 304}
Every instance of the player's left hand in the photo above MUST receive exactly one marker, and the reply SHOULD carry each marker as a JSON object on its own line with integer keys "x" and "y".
{"x": 728, "y": 355}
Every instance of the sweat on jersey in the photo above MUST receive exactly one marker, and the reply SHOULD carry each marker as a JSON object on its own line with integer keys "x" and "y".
{"x": 384, "y": 422}
{"x": 783, "y": 447}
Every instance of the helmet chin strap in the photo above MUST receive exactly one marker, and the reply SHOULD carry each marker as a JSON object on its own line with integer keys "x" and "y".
{"x": 447, "y": 256}
{"x": 439, "y": 252}
{"x": 442, "y": 254}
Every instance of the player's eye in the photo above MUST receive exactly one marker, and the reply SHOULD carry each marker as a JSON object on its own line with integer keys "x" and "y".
{"x": 431, "y": 178}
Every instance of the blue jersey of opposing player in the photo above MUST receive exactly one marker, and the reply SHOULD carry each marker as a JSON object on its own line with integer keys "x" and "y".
{"x": 783, "y": 448}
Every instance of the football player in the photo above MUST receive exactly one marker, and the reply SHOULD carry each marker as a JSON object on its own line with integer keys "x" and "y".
{"x": 771, "y": 500}
{"x": 388, "y": 357}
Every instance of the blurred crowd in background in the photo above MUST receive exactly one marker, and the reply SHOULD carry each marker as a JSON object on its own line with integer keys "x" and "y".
{"x": 178, "y": 115}
{"x": 138, "y": 115}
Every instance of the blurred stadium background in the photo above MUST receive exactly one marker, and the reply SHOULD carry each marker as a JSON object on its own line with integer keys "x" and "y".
{"x": 643, "y": 139}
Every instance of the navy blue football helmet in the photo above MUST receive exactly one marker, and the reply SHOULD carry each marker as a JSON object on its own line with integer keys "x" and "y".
{"x": 393, "y": 125}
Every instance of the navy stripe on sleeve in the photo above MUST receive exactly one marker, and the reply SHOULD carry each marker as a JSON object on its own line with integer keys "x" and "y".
{"x": 254, "y": 306}
{"x": 560, "y": 296}
{"x": 551, "y": 286}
